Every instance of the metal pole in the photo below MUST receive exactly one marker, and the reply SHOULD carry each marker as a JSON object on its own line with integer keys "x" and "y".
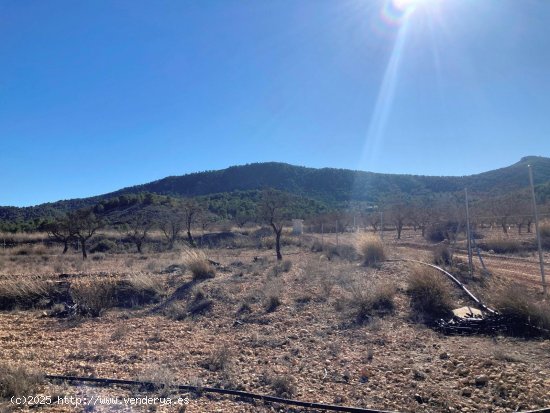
{"x": 468, "y": 234}
{"x": 535, "y": 212}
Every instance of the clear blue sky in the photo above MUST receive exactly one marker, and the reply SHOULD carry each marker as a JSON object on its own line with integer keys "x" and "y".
{"x": 99, "y": 95}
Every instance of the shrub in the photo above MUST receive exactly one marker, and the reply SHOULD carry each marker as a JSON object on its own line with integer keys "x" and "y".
{"x": 200, "y": 304}
{"x": 163, "y": 380}
{"x": 371, "y": 249}
{"x": 430, "y": 293}
{"x": 283, "y": 386}
{"x": 199, "y": 265}
{"x": 137, "y": 290}
{"x": 17, "y": 381}
{"x": 316, "y": 246}
{"x": 501, "y": 246}
{"x": 441, "y": 231}
{"x": 515, "y": 303}
{"x": 280, "y": 267}
{"x": 220, "y": 359}
{"x": 103, "y": 245}
{"x": 272, "y": 296}
{"x": 343, "y": 251}
{"x": 442, "y": 255}
{"x": 93, "y": 295}
{"x": 175, "y": 311}
{"x": 367, "y": 301}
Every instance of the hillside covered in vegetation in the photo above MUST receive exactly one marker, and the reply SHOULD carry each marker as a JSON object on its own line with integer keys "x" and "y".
{"x": 229, "y": 192}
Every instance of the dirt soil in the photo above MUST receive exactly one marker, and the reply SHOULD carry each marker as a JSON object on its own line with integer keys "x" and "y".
{"x": 308, "y": 343}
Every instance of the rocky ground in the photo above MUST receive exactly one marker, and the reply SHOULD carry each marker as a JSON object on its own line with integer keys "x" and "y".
{"x": 308, "y": 347}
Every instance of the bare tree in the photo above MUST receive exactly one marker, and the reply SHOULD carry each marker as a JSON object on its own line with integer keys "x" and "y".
{"x": 421, "y": 214}
{"x": 171, "y": 222}
{"x": 137, "y": 228}
{"x": 191, "y": 211}
{"x": 85, "y": 224}
{"x": 373, "y": 219}
{"x": 398, "y": 210}
{"x": 62, "y": 230}
{"x": 272, "y": 209}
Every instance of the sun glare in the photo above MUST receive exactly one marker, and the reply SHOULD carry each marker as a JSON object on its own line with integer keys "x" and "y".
{"x": 408, "y": 5}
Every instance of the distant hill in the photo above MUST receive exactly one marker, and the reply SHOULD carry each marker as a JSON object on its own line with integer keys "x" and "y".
{"x": 321, "y": 188}
{"x": 341, "y": 185}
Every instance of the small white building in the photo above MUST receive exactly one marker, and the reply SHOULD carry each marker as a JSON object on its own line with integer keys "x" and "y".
{"x": 297, "y": 226}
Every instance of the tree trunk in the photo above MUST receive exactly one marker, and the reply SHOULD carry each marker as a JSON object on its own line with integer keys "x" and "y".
{"x": 66, "y": 246}
{"x": 138, "y": 245}
{"x": 190, "y": 238}
{"x": 83, "y": 245}
{"x": 399, "y": 228}
{"x": 278, "y": 244}
{"x": 520, "y": 225}
{"x": 504, "y": 227}
{"x": 529, "y": 227}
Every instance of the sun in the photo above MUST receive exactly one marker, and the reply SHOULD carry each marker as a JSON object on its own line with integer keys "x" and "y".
{"x": 409, "y": 5}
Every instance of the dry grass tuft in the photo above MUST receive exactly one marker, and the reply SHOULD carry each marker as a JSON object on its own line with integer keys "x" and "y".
{"x": 515, "y": 302}
{"x": 138, "y": 289}
{"x": 220, "y": 359}
{"x": 93, "y": 295}
{"x": 431, "y": 294}
{"x": 282, "y": 385}
{"x": 369, "y": 300}
{"x": 18, "y": 381}
{"x": 442, "y": 255}
{"x": 371, "y": 250}
{"x": 161, "y": 377}
{"x": 272, "y": 295}
{"x": 501, "y": 246}
{"x": 198, "y": 264}
{"x": 23, "y": 292}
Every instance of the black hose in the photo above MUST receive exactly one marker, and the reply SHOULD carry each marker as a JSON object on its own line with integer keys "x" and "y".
{"x": 238, "y": 393}
{"x": 453, "y": 279}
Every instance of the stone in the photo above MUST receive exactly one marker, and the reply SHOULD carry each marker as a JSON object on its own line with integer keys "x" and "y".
{"x": 481, "y": 380}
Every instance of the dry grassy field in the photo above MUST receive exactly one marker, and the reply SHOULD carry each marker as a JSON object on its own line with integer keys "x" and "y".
{"x": 332, "y": 324}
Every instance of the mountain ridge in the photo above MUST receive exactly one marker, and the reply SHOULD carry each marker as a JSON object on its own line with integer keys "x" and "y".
{"x": 334, "y": 187}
